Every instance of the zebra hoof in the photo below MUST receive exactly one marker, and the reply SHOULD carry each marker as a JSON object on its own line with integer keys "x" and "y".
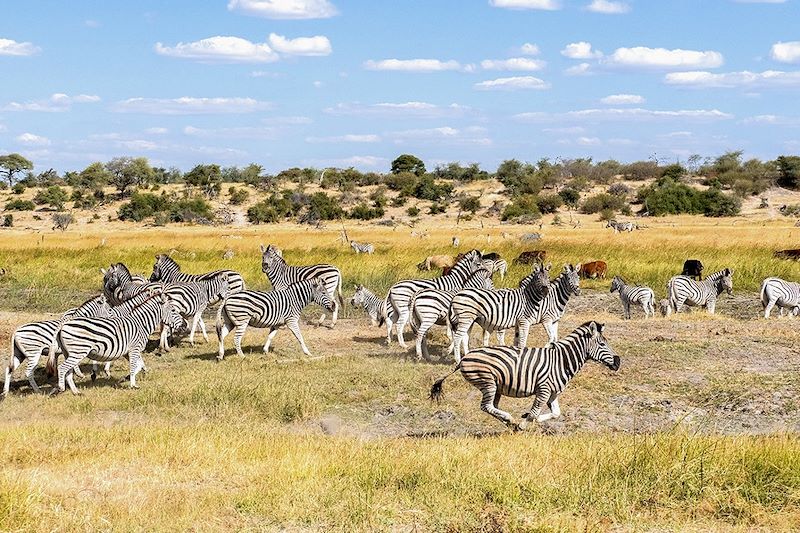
{"x": 55, "y": 392}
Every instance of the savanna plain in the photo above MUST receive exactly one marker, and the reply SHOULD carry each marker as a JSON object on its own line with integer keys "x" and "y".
{"x": 696, "y": 431}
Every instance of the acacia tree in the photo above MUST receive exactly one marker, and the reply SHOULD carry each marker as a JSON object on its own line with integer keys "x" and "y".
{"x": 408, "y": 163}
{"x": 208, "y": 178}
{"x": 129, "y": 172}
{"x": 11, "y": 165}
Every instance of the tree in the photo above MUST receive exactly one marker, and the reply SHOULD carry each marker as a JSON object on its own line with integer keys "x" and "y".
{"x": 129, "y": 172}
{"x": 408, "y": 163}
{"x": 11, "y": 165}
{"x": 789, "y": 171}
{"x": 54, "y": 196}
{"x": 207, "y": 178}
{"x": 94, "y": 176}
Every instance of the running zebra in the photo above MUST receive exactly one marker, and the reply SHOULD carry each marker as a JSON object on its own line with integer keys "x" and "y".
{"x": 539, "y": 372}
{"x": 621, "y": 226}
{"x": 784, "y": 294}
{"x": 269, "y": 310}
{"x": 401, "y": 293}
{"x": 634, "y": 294}
{"x": 684, "y": 290}
{"x": 167, "y": 270}
{"x": 498, "y": 309}
{"x": 431, "y": 306}
{"x": 281, "y": 275}
{"x": 107, "y": 339}
{"x": 362, "y": 248}
{"x": 192, "y": 299}
{"x": 372, "y": 304}
{"x": 30, "y": 341}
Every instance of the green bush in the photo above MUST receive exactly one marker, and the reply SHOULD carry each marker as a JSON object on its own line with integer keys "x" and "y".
{"x": 54, "y": 196}
{"x": 570, "y": 196}
{"x": 470, "y": 204}
{"x": 323, "y": 207}
{"x": 436, "y": 209}
{"x": 670, "y": 198}
{"x": 549, "y": 203}
{"x": 718, "y": 204}
{"x": 274, "y": 209}
{"x": 193, "y": 209}
{"x": 8, "y": 221}
{"x": 142, "y": 206}
{"x": 599, "y": 202}
{"x": 18, "y": 188}
{"x": 412, "y": 211}
{"x": 83, "y": 201}
{"x": 20, "y": 205}
{"x": 523, "y": 207}
{"x": 364, "y": 212}
{"x": 238, "y": 196}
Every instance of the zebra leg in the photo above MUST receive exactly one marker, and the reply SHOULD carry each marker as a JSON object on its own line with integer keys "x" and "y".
{"x": 389, "y": 324}
{"x": 12, "y": 365}
{"x": 33, "y": 362}
{"x": 711, "y": 305}
{"x": 769, "y": 306}
{"x": 402, "y": 320}
{"x": 487, "y": 334}
{"x": 489, "y": 400}
{"x": 501, "y": 336}
{"x": 421, "y": 341}
{"x": 294, "y": 327}
{"x": 551, "y": 328}
{"x": 164, "y": 344}
{"x": 136, "y": 364}
{"x": 627, "y": 310}
{"x": 272, "y": 333}
{"x": 238, "y": 334}
{"x": 335, "y": 314}
{"x": 70, "y": 379}
{"x": 65, "y": 372}
{"x": 536, "y": 409}
{"x": 195, "y": 320}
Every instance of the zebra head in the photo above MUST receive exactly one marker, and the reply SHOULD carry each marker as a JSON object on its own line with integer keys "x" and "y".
{"x": 573, "y": 278}
{"x": 725, "y": 283}
{"x": 270, "y": 256}
{"x": 319, "y": 293}
{"x": 359, "y": 297}
{"x": 170, "y": 316}
{"x": 616, "y": 284}
{"x": 611, "y": 223}
{"x": 160, "y": 267}
{"x": 598, "y": 349}
{"x": 220, "y": 287}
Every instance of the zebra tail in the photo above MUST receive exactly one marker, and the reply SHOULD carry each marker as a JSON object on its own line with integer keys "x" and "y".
{"x": 339, "y": 293}
{"x": 763, "y": 293}
{"x": 52, "y": 355}
{"x": 218, "y": 324}
{"x": 437, "y": 391}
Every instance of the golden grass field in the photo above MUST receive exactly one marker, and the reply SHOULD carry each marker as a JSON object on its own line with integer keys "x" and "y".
{"x": 697, "y": 431}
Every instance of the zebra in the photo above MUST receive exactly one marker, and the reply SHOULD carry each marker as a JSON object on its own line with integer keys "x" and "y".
{"x": 456, "y": 242}
{"x": 167, "y": 270}
{"x": 372, "y": 304}
{"x": 431, "y": 306}
{"x": 269, "y": 310}
{"x": 400, "y": 294}
{"x": 496, "y": 265}
{"x": 120, "y": 285}
{"x": 543, "y": 373}
{"x": 621, "y": 226}
{"x": 31, "y": 340}
{"x": 784, "y": 294}
{"x": 107, "y": 339}
{"x": 281, "y": 275}
{"x": 362, "y": 248}
{"x": 664, "y": 307}
{"x": 634, "y": 294}
{"x": 684, "y": 290}
{"x": 192, "y": 299}
{"x": 497, "y": 309}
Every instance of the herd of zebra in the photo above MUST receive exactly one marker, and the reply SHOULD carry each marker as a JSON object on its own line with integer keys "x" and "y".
{"x": 118, "y": 322}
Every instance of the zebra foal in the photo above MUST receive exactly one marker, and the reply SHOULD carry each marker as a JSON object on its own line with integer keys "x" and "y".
{"x": 270, "y": 310}
{"x": 784, "y": 294}
{"x": 539, "y": 372}
{"x": 634, "y": 294}
{"x": 362, "y": 248}
{"x": 374, "y": 306}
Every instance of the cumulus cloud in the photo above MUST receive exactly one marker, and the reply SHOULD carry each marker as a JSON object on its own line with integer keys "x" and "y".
{"x": 621, "y": 99}
{"x": 529, "y": 49}
{"x": 30, "y": 139}
{"x": 661, "y": 58}
{"x": 512, "y": 84}
{"x": 547, "y": 5}
{"x": 786, "y": 52}
{"x": 773, "y": 120}
{"x": 580, "y": 50}
{"x": 157, "y": 131}
{"x": 514, "y": 63}
{"x": 220, "y": 49}
{"x": 623, "y": 114}
{"x": 416, "y": 109}
{"x": 10, "y": 47}
{"x": 188, "y": 105}
{"x": 57, "y": 103}
{"x": 608, "y": 7}
{"x": 285, "y": 9}
{"x": 318, "y": 45}
{"x": 347, "y": 138}
{"x": 241, "y": 132}
{"x": 412, "y": 65}
{"x": 729, "y": 80}
{"x": 471, "y": 135}
{"x": 581, "y": 69}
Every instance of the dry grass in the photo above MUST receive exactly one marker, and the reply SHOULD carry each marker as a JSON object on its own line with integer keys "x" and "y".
{"x": 697, "y": 431}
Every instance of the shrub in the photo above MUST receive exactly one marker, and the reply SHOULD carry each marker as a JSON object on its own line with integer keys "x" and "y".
{"x": 323, "y": 207}
{"x": 192, "y": 209}
{"x": 83, "y": 201}
{"x": 54, "y": 196}
{"x": 412, "y": 211}
{"x": 670, "y": 198}
{"x": 641, "y": 170}
{"x": 238, "y": 196}
{"x": 142, "y": 206}
{"x": 364, "y": 212}
{"x": 718, "y": 204}
{"x": 549, "y": 203}
{"x": 62, "y": 221}
{"x": 789, "y": 171}
{"x": 790, "y": 210}
{"x": 571, "y": 197}
{"x": 469, "y": 203}
{"x": 523, "y": 207}
{"x": 619, "y": 189}
{"x": 602, "y": 201}
{"x": 18, "y": 188}
{"x": 436, "y": 209}
{"x": 674, "y": 171}
{"x": 8, "y": 221}
{"x": 20, "y": 205}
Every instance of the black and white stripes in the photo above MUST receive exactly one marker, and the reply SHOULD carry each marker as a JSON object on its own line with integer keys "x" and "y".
{"x": 362, "y": 248}
{"x": 634, "y": 294}
{"x": 684, "y": 290}
{"x": 781, "y": 293}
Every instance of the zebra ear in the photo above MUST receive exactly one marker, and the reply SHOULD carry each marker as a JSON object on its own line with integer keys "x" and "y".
{"x": 262, "y": 248}
{"x": 577, "y": 267}
{"x": 600, "y": 328}
{"x": 103, "y": 271}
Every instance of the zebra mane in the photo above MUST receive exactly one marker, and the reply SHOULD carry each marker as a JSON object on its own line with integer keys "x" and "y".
{"x": 275, "y": 255}
{"x": 719, "y": 275}
{"x": 141, "y": 304}
{"x": 164, "y": 258}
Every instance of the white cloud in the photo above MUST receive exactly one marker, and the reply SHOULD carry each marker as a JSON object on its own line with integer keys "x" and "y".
{"x": 241, "y": 132}
{"x": 548, "y": 5}
{"x": 514, "y": 63}
{"x": 90, "y": 23}
{"x": 703, "y": 79}
{"x": 582, "y": 69}
{"x": 402, "y": 109}
{"x": 608, "y": 7}
{"x": 57, "y": 103}
{"x": 187, "y": 105}
{"x": 622, "y": 114}
{"x": 348, "y": 138}
{"x": 265, "y": 74}
{"x": 157, "y": 131}
{"x": 285, "y": 9}
{"x": 529, "y": 49}
{"x": 319, "y": 45}
{"x": 220, "y": 49}
{"x": 360, "y": 161}
{"x": 786, "y": 52}
{"x": 30, "y": 139}
{"x": 565, "y": 130}
{"x": 661, "y": 58}
{"x": 580, "y": 50}
{"x": 447, "y": 135}
{"x": 773, "y": 120}
{"x": 412, "y": 65}
{"x": 9, "y": 47}
{"x": 623, "y": 99}
{"x": 291, "y": 121}
{"x": 512, "y": 84}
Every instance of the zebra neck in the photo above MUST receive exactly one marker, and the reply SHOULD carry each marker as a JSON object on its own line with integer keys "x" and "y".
{"x": 561, "y": 293}
{"x": 572, "y": 354}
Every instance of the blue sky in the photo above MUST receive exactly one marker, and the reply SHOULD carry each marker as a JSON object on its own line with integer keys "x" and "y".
{"x": 356, "y": 82}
